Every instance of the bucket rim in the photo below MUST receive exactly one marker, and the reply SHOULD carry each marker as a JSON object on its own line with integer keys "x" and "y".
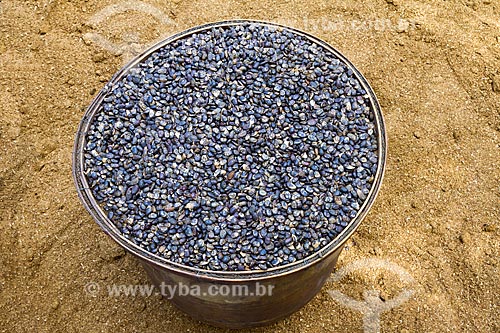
{"x": 100, "y": 217}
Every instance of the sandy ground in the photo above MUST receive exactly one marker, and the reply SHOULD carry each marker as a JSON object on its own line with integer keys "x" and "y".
{"x": 437, "y": 76}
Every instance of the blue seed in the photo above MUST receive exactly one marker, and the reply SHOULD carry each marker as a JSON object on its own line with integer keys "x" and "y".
{"x": 235, "y": 148}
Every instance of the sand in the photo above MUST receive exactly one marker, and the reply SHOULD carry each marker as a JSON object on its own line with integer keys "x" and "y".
{"x": 435, "y": 67}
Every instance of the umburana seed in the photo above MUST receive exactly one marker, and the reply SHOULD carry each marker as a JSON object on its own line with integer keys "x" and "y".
{"x": 235, "y": 148}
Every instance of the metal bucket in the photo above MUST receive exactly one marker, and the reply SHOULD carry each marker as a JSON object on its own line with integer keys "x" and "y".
{"x": 288, "y": 287}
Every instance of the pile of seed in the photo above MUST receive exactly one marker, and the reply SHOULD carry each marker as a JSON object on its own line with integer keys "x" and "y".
{"x": 236, "y": 148}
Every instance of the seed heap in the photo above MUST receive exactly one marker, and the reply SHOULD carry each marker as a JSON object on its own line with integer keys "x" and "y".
{"x": 237, "y": 148}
